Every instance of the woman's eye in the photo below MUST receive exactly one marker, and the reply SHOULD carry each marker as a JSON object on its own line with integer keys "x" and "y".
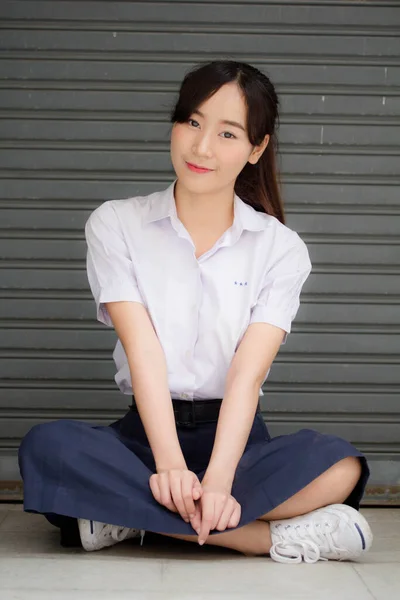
{"x": 231, "y": 138}
{"x": 228, "y": 132}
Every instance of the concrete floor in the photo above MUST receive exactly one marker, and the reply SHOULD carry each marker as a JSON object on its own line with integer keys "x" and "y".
{"x": 33, "y": 566}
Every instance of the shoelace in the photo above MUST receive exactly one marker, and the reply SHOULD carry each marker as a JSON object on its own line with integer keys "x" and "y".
{"x": 303, "y": 541}
{"x": 120, "y": 533}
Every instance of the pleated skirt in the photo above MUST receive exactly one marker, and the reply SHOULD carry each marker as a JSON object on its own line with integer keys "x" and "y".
{"x": 71, "y": 468}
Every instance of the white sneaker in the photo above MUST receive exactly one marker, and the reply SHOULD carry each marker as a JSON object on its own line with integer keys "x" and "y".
{"x": 96, "y": 535}
{"x": 334, "y": 532}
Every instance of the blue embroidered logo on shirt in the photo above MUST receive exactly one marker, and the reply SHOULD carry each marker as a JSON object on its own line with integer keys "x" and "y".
{"x": 240, "y": 283}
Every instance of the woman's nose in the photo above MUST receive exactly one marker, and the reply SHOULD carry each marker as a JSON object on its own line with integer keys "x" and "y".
{"x": 203, "y": 146}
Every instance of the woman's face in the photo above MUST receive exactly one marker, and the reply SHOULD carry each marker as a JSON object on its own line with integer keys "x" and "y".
{"x": 207, "y": 141}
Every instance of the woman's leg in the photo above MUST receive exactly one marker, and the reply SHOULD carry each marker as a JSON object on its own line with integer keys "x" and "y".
{"x": 332, "y": 487}
{"x": 252, "y": 539}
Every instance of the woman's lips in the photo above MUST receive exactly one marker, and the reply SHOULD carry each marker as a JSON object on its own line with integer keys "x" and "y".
{"x": 196, "y": 169}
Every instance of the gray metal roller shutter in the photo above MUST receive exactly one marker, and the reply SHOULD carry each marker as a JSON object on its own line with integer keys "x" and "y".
{"x": 86, "y": 89}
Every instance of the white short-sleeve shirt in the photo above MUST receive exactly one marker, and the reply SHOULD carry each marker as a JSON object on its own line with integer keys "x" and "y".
{"x": 139, "y": 250}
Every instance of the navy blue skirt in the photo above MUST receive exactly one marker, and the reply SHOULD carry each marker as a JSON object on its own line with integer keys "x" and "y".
{"x": 75, "y": 469}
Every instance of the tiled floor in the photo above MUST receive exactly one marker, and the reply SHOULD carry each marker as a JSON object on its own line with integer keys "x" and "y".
{"x": 33, "y": 566}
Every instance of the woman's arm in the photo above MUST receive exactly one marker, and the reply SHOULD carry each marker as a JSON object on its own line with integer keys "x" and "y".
{"x": 270, "y": 322}
{"x": 253, "y": 358}
{"x": 148, "y": 371}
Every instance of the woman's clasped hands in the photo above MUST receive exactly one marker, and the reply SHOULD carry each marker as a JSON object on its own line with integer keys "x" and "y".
{"x": 207, "y": 505}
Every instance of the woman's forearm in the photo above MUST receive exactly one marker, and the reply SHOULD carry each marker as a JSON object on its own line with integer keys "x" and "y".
{"x": 149, "y": 376}
{"x": 236, "y": 417}
{"x": 153, "y": 399}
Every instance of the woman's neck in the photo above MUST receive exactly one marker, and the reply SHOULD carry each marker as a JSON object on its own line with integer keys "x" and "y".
{"x": 199, "y": 213}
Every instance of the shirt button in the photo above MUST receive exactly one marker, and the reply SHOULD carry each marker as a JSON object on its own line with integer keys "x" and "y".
{"x": 184, "y": 396}
{"x": 187, "y": 354}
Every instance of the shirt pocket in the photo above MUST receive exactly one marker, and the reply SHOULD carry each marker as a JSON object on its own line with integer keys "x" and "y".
{"x": 234, "y": 298}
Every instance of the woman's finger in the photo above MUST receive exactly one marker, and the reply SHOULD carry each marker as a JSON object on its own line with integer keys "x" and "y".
{"x": 207, "y": 516}
{"x": 197, "y": 490}
{"x": 175, "y": 484}
{"x": 154, "y": 483}
{"x": 165, "y": 491}
{"x": 226, "y": 516}
{"x": 235, "y": 517}
{"x": 155, "y": 488}
{"x": 196, "y": 521}
{"x": 220, "y": 504}
{"x": 187, "y": 493}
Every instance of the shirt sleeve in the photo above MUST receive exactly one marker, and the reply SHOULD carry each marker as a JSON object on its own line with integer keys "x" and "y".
{"x": 279, "y": 298}
{"x": 110, "y": 270}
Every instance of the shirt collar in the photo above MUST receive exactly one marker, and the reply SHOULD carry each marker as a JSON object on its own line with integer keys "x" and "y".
{"x": 246, "y": 217}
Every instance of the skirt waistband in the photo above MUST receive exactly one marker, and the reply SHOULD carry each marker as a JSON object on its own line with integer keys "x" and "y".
{"x": 190, "y": 413}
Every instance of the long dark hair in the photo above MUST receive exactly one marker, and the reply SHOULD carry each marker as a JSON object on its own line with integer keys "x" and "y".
{"x": 258, "y": 185}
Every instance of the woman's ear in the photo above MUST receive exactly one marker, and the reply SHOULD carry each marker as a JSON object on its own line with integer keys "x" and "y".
{"x": 258, "y": 150}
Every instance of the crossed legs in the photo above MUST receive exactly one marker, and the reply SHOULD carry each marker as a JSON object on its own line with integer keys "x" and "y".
{"x": 331, "y": 487}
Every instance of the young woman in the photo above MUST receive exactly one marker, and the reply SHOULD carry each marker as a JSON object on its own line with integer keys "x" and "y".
{"x": 201, "y": 282}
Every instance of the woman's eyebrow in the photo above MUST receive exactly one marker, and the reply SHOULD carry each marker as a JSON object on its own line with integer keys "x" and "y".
{"x": 233, "y": 123}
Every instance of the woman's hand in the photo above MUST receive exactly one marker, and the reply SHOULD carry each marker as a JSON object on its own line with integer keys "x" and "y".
{"x": 219, "y": 509}
{"x": 177, "y": 490}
